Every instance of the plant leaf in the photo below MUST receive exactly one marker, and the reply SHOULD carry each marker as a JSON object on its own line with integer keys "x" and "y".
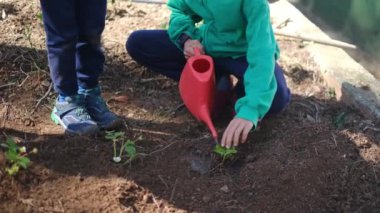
{"x": 119, "y": 134}
{"x": 11, "y": 155}
{"x": 231, "y": 151}
{"x": 12, "y": 170}
{"x": 24, "y": 162}
{"x": 112, "y": 135}
{"x": 130, "y": 148}
{"x": 224, "y": 152}
{"x": 11, "y": 144}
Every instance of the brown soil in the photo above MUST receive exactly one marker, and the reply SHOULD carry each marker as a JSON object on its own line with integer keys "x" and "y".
{"x": 304, "y": 160}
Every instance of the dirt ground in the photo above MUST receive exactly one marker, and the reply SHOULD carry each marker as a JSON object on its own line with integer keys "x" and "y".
{"x": 311, "y": 158}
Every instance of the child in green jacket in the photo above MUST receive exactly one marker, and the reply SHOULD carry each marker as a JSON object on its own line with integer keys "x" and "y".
{"x": 239, "y": 36}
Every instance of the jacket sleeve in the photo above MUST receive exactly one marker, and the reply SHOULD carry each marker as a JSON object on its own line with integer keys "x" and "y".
{"x": 182, "y": 21}
{"x": 259, "y": 80}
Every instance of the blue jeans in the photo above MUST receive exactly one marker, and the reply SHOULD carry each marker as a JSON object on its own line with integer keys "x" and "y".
{"x": 154, "y": 49}
{"x": 73, "y": 32}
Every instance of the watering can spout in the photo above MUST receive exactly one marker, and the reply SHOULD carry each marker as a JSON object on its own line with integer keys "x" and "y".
{"x": 206, "y": 118}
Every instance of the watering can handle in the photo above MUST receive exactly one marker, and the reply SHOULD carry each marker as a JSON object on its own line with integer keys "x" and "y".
{"x": 197, "y": 51}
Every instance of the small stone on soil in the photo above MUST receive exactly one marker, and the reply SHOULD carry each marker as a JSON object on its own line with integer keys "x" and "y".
{"x": 225, "y": 189}
{"x": 206, "y": 198}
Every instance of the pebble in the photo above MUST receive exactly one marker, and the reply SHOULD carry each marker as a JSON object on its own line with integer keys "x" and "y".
{"x": 225, "y": 189}
{"x": 206, "y": 198}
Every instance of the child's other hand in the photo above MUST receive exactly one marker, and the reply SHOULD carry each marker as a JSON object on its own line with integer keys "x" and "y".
{"x": 188, "y": 48}
{"x": 236, "y": 132}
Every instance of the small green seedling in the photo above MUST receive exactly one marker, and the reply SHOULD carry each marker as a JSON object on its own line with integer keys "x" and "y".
{"x": 128, "y": 146}
{"x": 225, "y": 153}
{"x": 16, "y": 156}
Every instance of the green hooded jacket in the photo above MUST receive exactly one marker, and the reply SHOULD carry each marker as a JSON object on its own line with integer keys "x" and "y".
{"x": 233, "y": 28}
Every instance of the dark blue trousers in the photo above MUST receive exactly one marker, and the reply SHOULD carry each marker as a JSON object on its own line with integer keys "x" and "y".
{"x": 73, "y": 30}
{"x": 153, "y": 49}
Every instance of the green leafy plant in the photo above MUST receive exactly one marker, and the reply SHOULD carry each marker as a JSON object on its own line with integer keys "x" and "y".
{"x": 225, "y": 153}
{"x": 16, "y": 157}
{"x": 127, "y": 146}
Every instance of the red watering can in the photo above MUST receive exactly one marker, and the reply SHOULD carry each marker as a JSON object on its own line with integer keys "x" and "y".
{"x": 197, "y": 88}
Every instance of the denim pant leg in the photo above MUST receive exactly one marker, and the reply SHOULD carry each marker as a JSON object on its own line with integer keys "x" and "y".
{"x": 155, "y": 50}
{"x": 238, "y": 67}
{"x": 90, "y": 59}
{"x": 283, "y": 96}
{"x": 61, "y": 29}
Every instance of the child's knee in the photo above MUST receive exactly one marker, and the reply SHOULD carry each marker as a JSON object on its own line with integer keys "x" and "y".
{"x": 134, "y": 44}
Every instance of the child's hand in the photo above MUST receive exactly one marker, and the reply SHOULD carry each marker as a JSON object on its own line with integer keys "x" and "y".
{"x": 236, "y": 132}
{"x": 188, "y": 48}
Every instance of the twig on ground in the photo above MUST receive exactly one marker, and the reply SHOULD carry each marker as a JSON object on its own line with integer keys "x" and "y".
{"x": 42, "y": 98}
{"x": 4, "y": 114}
{"x": 316, "y": 150}
{"x": 7, "y": 85}
{"x": 176, "y": 109}
{"x": 283, "y": 23}
{"x": 23, "y": 81}
{"x": 133, "y": 72}
{"x": 147, "y": 80}
{"x": 317, "y": 118}
{"x": 150, "y": 1}
{"x": 371, "y": 128}
{"x": 48, "y": 107}
{"x": 374, "y": 172}
{"x": 155, "y": 202}
{"x": 151, "y": 132}
{"x": 28, "y": 202}
{"x": 329, "y": 42}
{"x": 163, "y": 181}
{"x": 305, "y": 105}
{"x": 334, "y": 139}
{"x": 114, "y": 41}
{"x": 173, "y": 191}
{"x": 162, "y": 149}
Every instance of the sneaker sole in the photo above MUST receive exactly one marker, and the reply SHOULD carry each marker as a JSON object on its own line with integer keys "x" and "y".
{"x": 114, "y": 125}
{"x": 58, "y": 121}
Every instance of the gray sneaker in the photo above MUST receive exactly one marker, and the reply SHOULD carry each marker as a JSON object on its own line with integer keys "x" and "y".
{"x": 73, "y": 116}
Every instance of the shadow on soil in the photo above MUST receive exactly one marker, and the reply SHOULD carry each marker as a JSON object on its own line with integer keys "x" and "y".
{"x": 317, "y": 155}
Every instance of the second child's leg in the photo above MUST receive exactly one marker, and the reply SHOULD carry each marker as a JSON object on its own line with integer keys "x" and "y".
{"x": 154, "y": 49}
{"x": 90, "y": 59}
